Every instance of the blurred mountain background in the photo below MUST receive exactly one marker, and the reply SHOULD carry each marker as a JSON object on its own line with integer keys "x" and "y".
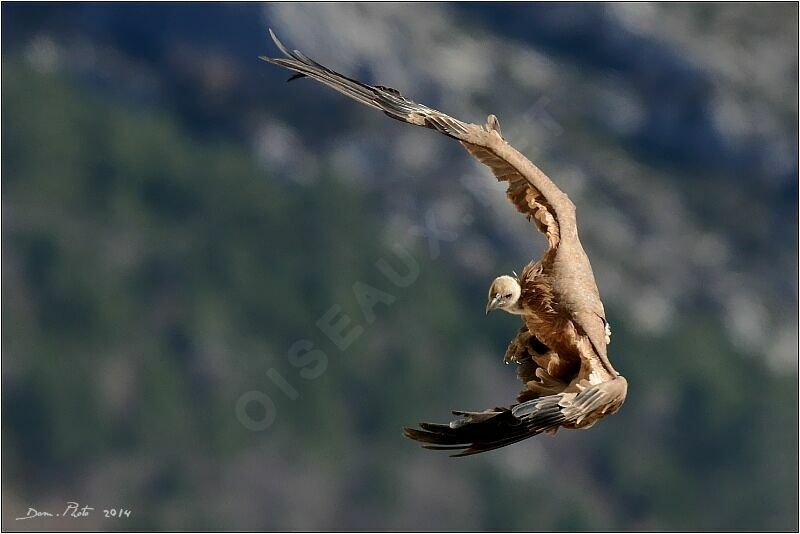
{"x": 178, "y": 221}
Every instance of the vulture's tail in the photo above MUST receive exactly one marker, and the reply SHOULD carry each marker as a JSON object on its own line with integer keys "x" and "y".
{"x": 385, "y": 99}
{"x": 483, "y": 431}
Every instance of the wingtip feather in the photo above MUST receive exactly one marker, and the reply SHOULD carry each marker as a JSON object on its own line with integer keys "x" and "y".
{"x": 279, "y": 44}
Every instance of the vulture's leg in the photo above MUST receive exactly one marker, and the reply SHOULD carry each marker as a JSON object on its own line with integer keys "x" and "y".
{"x": 517, "y": 350}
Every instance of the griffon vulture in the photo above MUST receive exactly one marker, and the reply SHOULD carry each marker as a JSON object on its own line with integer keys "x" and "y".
{"x": 561, "y": 348}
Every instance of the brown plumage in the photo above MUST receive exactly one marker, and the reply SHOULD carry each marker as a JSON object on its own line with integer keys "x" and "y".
{"x": 561, "y": 348}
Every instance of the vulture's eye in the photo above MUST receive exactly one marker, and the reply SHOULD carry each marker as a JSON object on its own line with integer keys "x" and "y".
{"x": 507, "y": 296}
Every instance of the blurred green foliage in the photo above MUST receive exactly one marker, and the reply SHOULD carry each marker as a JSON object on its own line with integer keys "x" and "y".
{"x": 150, "y": 279}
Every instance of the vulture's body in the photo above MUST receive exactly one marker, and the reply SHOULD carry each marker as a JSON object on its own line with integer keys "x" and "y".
{"x": 561, "y": 348}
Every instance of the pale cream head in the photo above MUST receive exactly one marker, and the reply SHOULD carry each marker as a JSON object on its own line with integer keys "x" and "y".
{"x": 504, "y": 294}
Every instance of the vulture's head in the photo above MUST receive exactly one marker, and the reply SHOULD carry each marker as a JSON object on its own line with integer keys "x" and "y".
{"x": 504, "y": 294}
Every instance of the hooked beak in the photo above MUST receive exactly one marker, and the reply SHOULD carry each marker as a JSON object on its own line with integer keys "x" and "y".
{"x": 492, "y": 304}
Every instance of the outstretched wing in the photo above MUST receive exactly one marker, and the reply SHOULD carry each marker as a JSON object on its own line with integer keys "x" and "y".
{"x": 529, "y": 189}
{"x": 476, "y": 432}
{"x": 557, "y": 393}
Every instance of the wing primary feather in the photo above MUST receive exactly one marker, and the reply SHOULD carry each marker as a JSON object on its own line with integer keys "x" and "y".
{"x": 478, "y": 432}
{"x": 279, "y": 44}
{"x": 386, "y": 99}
